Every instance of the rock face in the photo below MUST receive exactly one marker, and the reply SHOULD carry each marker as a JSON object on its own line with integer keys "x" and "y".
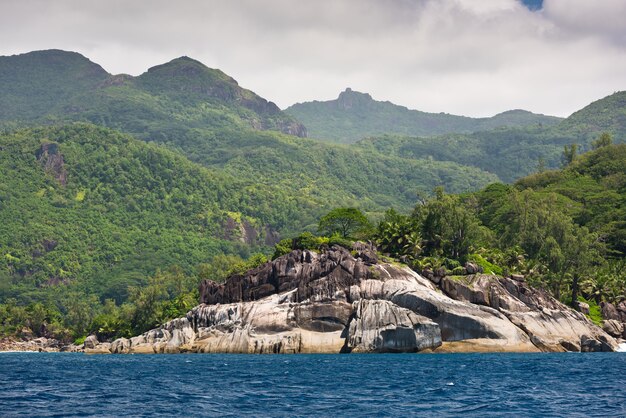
{"x": 615, "y": 318}
{"x": 51, "y": 159}
{"x": 341, "y": 301}
{"x": 381, "y": 326}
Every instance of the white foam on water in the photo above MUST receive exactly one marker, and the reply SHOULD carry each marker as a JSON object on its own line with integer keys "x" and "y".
{"x": 621, "y": 348}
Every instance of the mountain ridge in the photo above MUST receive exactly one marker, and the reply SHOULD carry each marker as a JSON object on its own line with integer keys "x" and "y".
{"x": 356, "y": 115}
{"x": 46, "y": 77}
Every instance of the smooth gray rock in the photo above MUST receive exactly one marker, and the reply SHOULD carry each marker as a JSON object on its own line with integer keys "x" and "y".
{"x": 120, "y": 346}
{"x": 332, "y": 301}
{"x": 380, "y": 326}
{"x": 91, "y": 342}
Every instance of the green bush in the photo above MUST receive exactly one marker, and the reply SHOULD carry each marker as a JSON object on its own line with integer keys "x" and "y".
{"x": 458, "y": 271}
{"x": 337, "y": 239}
{"x": 488, "y": 267}
{"x": 595, "y": 313}
{"x": 304, "y": 241}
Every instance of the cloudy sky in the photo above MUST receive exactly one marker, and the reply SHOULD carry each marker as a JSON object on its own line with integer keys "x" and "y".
{"x": 470, "y": 57}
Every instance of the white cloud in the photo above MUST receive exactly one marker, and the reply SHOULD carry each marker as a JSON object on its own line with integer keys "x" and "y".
{"x": 473, "y": 57}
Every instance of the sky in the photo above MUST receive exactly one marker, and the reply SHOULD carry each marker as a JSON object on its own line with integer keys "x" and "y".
{"x": 468, "y": 57}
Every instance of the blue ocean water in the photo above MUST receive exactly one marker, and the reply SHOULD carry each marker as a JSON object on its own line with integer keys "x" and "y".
{"x": 59, "y": 384}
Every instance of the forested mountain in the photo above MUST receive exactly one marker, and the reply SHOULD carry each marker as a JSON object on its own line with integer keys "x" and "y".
{"x": 51, "y": 85}
{"x": 607, "y": 114}
{"x": 205, "y": 115}
{"x": 32, "y": 84}
{"x": 354, "y": 116}
{"x": 511, "y": 153}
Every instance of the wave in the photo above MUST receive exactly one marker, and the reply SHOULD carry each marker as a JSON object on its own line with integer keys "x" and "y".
{"x": 621, "y": 348}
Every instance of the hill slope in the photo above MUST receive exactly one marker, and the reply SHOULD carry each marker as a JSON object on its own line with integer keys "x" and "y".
{"x": 607, "y": 114}
{"x": 595, "y": 188}
{"x": 81, "y": 202}
{"x": 353, "y": 116}
{"x": 32, "y": 84}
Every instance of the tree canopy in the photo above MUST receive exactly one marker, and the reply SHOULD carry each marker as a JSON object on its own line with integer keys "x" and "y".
{"x": 347, "y": 222}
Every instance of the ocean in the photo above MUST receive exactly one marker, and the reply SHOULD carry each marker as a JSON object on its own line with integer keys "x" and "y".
{"x": 64, "y": 384}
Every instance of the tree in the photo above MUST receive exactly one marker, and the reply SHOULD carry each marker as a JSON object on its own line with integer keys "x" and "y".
{"x": 569, "y": 154}
{"x": 348, "y": 222}
{"x": 449, "y": 228}
{"x": 399, "y": 234}
{"x": 604, "y": 140}
{"x": 541, "y": 165}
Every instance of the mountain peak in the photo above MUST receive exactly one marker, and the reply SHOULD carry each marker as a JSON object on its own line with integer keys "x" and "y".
{"x": 189, "y": 68}
{"x": 349, "y": 99}
{"x": 55, "y": 60}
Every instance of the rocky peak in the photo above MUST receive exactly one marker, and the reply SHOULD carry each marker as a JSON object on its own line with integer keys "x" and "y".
{"x": 313, "y": 274}
{"x": 349, "y": 99}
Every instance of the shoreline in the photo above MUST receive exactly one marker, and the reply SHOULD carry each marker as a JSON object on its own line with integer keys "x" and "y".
{"x": 447, "y": 347}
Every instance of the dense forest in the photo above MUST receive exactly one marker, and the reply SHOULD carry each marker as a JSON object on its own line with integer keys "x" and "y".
{"x": 564, "y": 230}
{"x": 510, "y": 145}
{"x": 203, "y": 114}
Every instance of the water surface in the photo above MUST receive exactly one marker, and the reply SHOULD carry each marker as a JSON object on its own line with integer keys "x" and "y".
{"x": 60, "y": 384}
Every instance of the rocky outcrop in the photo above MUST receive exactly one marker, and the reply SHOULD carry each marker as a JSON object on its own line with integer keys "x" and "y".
{"x": 614, "y": 328}
{"x": 49, "y": 156}
{"x": 614, "y": 318}
{"x": 342, "y": 301}
{"x": 40, "y": 344}
{"x": 238, "y": 228}
{"x": 549, "y": 324}
{"x": 381, "y": 326}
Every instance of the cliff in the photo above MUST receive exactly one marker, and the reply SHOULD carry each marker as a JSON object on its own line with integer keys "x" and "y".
{"x": 341, "y": 301}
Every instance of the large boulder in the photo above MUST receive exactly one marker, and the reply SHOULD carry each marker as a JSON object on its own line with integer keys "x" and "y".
{"x": 380, "y": 326}
{"x": 616, "y": 312}
{"x": 614, "y": 328}
{"x": 120, "y": 346}
{"x": 91, "y": 342}
{"x": 550, "y": 325}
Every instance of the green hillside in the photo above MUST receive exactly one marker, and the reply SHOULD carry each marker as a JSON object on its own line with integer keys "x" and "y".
{"x": 607, "y": 114}
{"x": 78, "y": 202}
{"x": 511, "y": 153}
{"x": 32, "y": 84}
{"x": 507, "y": 153}
{"x": 205, "y": 115}
{"x": 354, "y": 116}
{"x": 593, "y": 188}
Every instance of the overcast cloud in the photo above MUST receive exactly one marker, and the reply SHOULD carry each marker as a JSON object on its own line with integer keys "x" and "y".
{"x": 470, "y": 57}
